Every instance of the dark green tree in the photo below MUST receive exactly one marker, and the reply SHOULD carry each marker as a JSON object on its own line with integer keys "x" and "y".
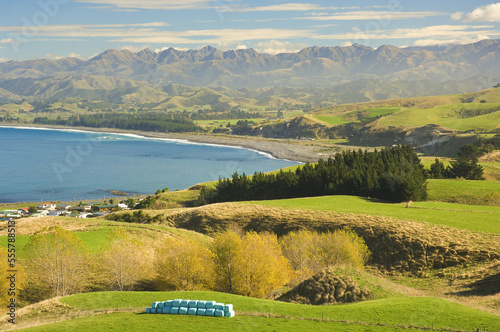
{"x": 468, "y": 169}
{"x": 437, "y": 170}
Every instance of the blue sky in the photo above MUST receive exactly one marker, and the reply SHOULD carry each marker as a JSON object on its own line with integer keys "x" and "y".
{"x": 52, "y": 29}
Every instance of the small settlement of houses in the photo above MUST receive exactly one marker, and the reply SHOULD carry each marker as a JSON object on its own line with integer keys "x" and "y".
{"x": 87, "y": 210}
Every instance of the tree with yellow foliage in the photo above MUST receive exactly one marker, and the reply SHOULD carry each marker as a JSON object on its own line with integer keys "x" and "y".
{"x": 310, "y": 252}
{"x": 9, "y": 289}
{"x": 226, "y": 249}
{"x": 57, "y": 260}
{"x": 124, "y": 260}
{"x": 184, "y": 265}
{"x": 252, "y": 265}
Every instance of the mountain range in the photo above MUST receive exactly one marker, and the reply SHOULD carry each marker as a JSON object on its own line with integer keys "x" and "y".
{"x": 472, "y": 66}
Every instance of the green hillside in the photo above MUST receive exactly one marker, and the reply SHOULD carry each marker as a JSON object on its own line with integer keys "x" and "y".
{"x": 469, "y": 217}
{"x": 463, "y": 117}
{"x": 395, "y": 314}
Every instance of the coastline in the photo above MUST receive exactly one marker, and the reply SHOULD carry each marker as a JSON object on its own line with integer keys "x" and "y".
{"x": 293, "y": 150}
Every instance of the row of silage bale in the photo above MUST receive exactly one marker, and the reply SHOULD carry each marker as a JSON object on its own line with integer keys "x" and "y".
{"x": 191, "y": 307}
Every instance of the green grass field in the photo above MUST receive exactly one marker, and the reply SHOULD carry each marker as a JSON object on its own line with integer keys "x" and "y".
{"x": 95, "y": 241}
{"x": 469, "y": 217}
{"x": 96, "y": 238}
{"x": 251, "y": 314}
{"x": 356, "y": 116}
{"x": 332, "y": 120}
{"x": 446, "y": 116}
{"x": 456, "y": 191}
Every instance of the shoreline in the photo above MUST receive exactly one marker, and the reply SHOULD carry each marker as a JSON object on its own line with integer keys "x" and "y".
{"x": 291, "y": 150}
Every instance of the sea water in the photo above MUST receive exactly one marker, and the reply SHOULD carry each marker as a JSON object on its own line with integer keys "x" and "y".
{"x": 49, "y": 165}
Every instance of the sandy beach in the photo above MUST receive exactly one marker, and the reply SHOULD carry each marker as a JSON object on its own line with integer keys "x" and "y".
{"x": 292, "y": 149}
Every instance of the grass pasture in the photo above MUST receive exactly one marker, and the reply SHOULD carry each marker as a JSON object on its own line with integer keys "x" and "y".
{"x": 398, "y": 313}
{"x": 468, "y": 217}
{"x": 460, "y": 191}
{"x": 94, "y": 232}
{"x": 356, "y": 116}
{"x": 447, "y": 116}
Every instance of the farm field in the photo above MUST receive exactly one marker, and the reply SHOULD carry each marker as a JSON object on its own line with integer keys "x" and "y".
{"x": 94, "y": 233}
{"x": 395, "y": 314}
{"x": 469, "y": 217}
{"x": 356, "y": 116}
{"x": 456, "y": 191}
{"x": 486, "y": 118}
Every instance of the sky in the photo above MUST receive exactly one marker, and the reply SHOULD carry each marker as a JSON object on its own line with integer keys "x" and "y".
{"x": 52, "y": 29}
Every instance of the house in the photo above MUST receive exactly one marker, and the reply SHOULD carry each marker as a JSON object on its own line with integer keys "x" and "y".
{"x": 103, "y": 207}
{"x": 63, "y": 206}
{"x": 10, "y": 214}
{"x": 123, "y": 206}
{"x": 43, "y": 212}
{"x": 24, "y": 211}
{"x": 47, "y": 206}
{"x": 81, "y": 208}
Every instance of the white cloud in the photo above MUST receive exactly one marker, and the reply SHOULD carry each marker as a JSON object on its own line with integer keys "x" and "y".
{"x": 435, "y": 42}
{"x": 85, "y": 28}
{"x": 133, "y": 48}
{"x": 241, "y": 47}
{"x": 9, "y": 41}
{"x": 445, "y": 32}
{"x": 346, "y": 44}
{"x": 373, "y": 15}
{"x": 75, "y": 55}
{"x": 150, "y": 4}
{"x": 276, "y": 46}
{"x": 279, "y": 8}
{"x": 152, "y": 33}
{"x": 53, "y": 56}
{"x": 217, "y": 37}
{"x": 488, "y": 13}
{"x": 4, "y": 59}
{"x": 444, "y": 42}
{"x": 158, "y": 50}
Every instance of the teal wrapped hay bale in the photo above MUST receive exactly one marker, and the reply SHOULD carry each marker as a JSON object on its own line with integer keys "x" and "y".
{"x": 184, "y": 303}
{"x": 153, "y": 310}
{"x": 209, "y": 304}
{"x": 229, "y": 313}
{"x": 183, "y": 311}
{"x": 166, "y": 310}
{"x": 154, "y": 305}
{"x": 219, "y": 313}
{"x": 159, "y": 305}
{"x": 228, "y": 307}
{"x": 168, "y": 303}
{"x": 174, "y": 310}
{"x": 148, "y": 310}
{"x": 192, "y": 311}
{"x": 219, "y": 306}
{"x": 176, "y": 303}
{"x": 201, "y": 304}
{"x": 193, "y": 304}
{"x": 210, "y": 312}
{"x": 201, "y": 312}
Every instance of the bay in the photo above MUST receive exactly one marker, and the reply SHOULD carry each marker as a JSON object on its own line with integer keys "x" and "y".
{"x": 52, "y": 165}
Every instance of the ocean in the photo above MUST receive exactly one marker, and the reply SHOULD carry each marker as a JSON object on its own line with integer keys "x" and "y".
{"x": 65, "y": 165}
